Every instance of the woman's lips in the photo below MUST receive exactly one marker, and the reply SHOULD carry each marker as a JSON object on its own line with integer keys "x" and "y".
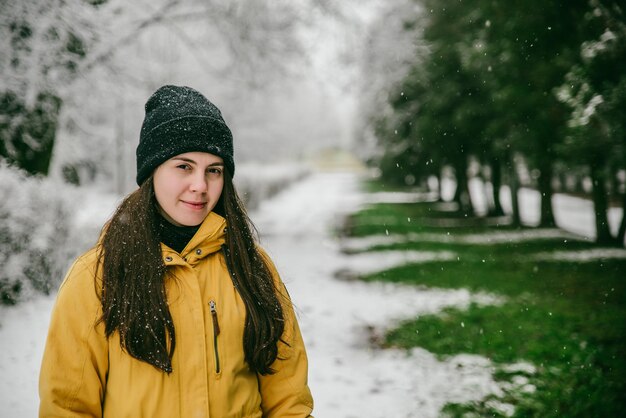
{"x": 194, "y": 205}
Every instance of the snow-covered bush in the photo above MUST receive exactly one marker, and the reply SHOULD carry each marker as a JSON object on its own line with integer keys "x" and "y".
{"x": 34, "y": 230}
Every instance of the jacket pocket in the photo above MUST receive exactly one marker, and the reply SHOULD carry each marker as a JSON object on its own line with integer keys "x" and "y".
{"x": 216, "y": 333}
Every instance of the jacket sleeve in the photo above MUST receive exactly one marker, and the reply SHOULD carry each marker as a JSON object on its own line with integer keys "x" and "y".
{"x": 286, "y": 392}
{"x": 73, "y": 373}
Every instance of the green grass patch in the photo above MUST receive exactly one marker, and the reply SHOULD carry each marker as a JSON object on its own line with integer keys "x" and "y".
{"x": 483, "y": 252}
{"x": 566, "y": 318}
{"x": 577, "y": 374}
{"x": 519, "y": 329}
{"x": 591, "y": 285}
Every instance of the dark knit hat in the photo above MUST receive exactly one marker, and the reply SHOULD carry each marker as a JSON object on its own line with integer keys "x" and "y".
{"x": 179, "y": 120}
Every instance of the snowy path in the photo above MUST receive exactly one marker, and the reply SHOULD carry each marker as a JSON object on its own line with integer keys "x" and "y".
{"x": 348, "y": 378}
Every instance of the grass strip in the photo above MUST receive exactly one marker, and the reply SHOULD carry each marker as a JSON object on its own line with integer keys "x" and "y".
{"x": 566, "y": 318}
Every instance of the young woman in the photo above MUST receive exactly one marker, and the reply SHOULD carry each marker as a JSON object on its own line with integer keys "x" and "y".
{"x": 176, "y": 312}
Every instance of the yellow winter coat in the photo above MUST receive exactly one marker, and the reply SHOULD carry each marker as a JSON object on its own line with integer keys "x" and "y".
{"x": 84, "y": 374}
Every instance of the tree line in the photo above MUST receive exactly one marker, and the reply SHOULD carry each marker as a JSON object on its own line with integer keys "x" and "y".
{"x": 534, "y": 83}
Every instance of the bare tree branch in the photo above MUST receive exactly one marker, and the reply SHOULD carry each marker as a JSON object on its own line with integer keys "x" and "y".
{"x": 101, "y": 56}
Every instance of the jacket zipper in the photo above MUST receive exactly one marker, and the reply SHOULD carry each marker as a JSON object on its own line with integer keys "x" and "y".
{"x": 216, "y": 332}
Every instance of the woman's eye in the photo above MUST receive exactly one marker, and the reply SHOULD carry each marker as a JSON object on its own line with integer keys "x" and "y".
{"x": 184, "y": 167}
{"x": 214, "y": 171}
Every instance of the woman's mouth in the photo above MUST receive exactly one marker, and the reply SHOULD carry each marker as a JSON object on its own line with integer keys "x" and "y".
{"x": 194, "y": 205}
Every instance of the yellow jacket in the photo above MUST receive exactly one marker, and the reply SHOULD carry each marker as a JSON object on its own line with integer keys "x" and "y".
{"x": 84, "y": 374}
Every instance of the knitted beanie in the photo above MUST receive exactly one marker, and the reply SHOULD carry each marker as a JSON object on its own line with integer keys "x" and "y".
{"x": 180, "y": 120}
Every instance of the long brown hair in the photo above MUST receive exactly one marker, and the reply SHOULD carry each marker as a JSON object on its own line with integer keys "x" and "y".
{"x": 133, "y": 295}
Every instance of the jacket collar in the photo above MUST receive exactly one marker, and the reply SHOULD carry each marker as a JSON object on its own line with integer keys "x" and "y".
{"x": 207, "y": 240}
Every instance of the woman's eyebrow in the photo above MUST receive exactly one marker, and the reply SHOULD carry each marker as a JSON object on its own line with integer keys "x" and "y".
{"x": 187, "y": 160}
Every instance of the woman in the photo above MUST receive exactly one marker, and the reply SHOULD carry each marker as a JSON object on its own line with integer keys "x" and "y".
{"x": 176, "y": 312}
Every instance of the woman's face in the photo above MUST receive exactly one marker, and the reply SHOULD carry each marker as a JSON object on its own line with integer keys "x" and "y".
{"x": 188, "y": 186}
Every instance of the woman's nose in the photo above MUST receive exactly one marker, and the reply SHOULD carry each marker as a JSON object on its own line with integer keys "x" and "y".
{"x": 199, "y": 184}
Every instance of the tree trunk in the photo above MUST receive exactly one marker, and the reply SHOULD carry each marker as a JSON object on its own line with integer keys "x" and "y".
{"x": 600, "y": 204}
{"x": 440, "y": 184}
{"x": 511, "y": 177}
{"x": 621, "y": 233}
{"x": 496, "y": 183}
{"x": 461, "y": 194}
{"x": 545, "y": 190}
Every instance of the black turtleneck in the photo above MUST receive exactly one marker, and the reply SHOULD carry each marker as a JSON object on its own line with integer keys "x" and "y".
{"x": 176, "y": 237}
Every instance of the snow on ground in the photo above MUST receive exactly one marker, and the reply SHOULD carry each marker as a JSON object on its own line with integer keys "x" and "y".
{"x": 348, "y": 377}
{"x": 23, "y": 331}
{"x": 582, "y": 255}
{"x": 375, "y": 261}
{"x": 339, "y": 318}
{"x": 571, "y": 213}
{"x": 487, "y": 238}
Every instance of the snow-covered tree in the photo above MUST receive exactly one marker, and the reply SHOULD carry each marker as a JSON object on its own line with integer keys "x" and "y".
{"x": 41, "y": 46}
{"x": 595, "y": 92}
{"x": 96, "y": 64}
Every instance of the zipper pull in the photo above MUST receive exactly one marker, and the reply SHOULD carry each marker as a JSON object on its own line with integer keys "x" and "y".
{"x": 216, "y": 325}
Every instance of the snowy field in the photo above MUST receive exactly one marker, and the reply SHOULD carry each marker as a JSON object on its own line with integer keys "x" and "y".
{"x": 339, "y": 318}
